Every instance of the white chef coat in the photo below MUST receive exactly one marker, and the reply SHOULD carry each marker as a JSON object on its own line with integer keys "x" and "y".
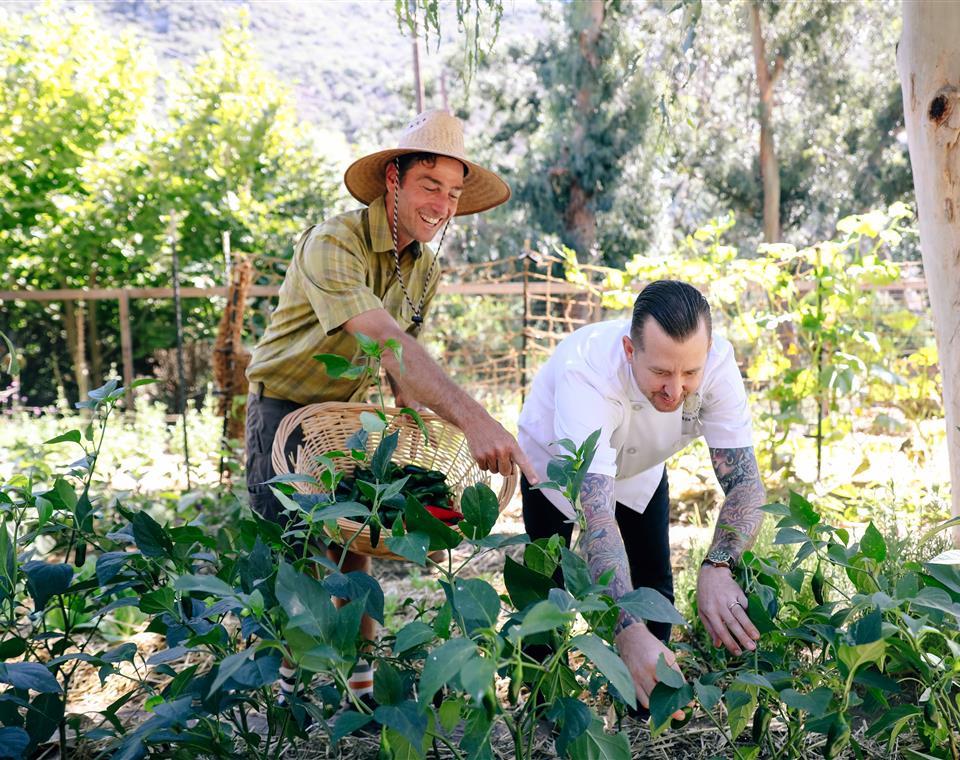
{"x": 587, "y": 384}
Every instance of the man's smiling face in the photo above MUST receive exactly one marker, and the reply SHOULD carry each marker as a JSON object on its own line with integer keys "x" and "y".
{"x": 428, "y": 198}
{"x": 667, "y": 370}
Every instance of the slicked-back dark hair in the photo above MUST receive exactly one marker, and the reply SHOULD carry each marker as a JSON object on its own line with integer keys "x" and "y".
{"x": 407, "y": 160}
{"x": 677, "y": 307}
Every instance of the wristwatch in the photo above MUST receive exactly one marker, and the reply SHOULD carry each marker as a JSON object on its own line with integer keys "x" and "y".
{"x": 719, "y": 558}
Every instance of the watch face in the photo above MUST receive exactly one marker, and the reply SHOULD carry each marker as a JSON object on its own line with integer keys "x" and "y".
{"x": 719, "y": 557}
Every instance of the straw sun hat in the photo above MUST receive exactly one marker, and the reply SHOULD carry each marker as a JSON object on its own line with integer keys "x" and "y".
{"x": 430, "y": 132}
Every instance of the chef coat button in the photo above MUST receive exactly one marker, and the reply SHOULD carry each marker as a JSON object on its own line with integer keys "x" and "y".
{"x": 631, "y": 450}
{"x": 636, "y": 407}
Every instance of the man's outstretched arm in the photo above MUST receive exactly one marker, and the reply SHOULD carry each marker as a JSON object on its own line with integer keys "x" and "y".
{"x": 639, "y": 648}
{"x": 423, "y": 380}
{"x": 721, "y": 602}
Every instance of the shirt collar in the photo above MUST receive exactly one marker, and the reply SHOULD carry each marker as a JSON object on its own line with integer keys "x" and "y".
{"x": 380, "y": 237}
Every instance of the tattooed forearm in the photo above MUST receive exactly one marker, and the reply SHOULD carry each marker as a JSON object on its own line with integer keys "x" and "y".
{"x": 604, "y": 544}
{"x": 740, "y": 516}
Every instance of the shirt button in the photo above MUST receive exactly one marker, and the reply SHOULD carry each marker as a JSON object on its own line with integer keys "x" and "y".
{"x": 632, "y": 450}
{"x": 636, "y": 407}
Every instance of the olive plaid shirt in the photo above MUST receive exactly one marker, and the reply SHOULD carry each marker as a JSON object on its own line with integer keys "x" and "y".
{"x": 340, "y": 268}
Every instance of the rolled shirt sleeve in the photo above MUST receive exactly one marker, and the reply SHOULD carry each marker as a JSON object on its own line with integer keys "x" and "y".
{"x": 336, "y": 282}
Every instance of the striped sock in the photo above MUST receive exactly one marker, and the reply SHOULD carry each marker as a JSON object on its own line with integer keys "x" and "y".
{"x": 288, "y": 684}
{"x": 361, "y": 680}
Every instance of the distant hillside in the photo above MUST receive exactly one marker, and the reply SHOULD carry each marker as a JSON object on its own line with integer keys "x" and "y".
{"x": 348, "y": 63}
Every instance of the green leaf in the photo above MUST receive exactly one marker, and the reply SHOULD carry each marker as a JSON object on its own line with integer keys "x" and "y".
{"x": 667, "y": 675}
{"x": 45, "y": 580}
{"x": 539, "y": 558}
{"x": 228, "y": 666}
{"x": 368, "y": 346}
{"x": 786, "y": 536}
{"x": 387, "y": 684}
{"x": 159, "y": 600}
{"x": 757, "y": 612}
{"x": 649, "y": 604}
{"x": 755, "y": 679}
{"x": 802, "y": 511}
{"x": 418, "y": 519}
{"x": 707, "y": 694}
{"x": 948, "y": 575}
{"x": 574, "y": 718}
{"x": 13, "y": 366}
{"x": 596, "y": 744}
{"x": 449, "y": 714}
{"x": 893, "y": 721}
{"x": 347, "y": 723}
{"x": 406, "y": 719}
{"x": 480, "y": 509}
{"x": 475, "y": 600}
{"x": 524, "y": 586}
{"x": 13, "y": 742}
{"x": 71, "y": 436}
{"x": 544, "y": 616}
{"x": 357, "y": 585}
{"x": 477, "y": 677}
{"x": 29, "y": 675}
{"x": 443, "y": 664}
{"x": 150, "y": 537}
{"x": 855, "y": 656}
{"x": 338, "y": 366}
{"x": 205, "y": 584}
{"x": 868, "y": 629}
{"x": 576, "y": 575}
{"x": 382, "y": 455}
{"x": 665, "y": 700}
{"x": 43, "y": 717}
{"x": 740, "y": 706}
{"x": 872, "y": 544}
{"x": 412, "y": 635}
{"x": 949, "y": 557}
{"x": 411, "y": 546}
{"x": 340, "y": 509}
{"x": 12, "y": 647}
{"x": 609, "y": 664}
{"x": 814, "y": 702}
{"x": 373, "y": 422}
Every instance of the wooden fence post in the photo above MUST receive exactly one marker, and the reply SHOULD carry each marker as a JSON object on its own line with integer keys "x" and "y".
{"x": 126, "y": 348}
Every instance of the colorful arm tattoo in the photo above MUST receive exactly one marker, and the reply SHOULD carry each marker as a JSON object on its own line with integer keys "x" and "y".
{"x": 740, "y": 516}
{"x": 604, "y": 544}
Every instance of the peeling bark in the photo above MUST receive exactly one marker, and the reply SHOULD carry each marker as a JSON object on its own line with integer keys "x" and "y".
{"x": 769, "y": 166}
{"x": 580, "y": 219}
{"x": 928, "y": 60}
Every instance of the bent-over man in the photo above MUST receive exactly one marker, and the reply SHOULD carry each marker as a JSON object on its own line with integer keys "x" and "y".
{"x": 652, "y": 384}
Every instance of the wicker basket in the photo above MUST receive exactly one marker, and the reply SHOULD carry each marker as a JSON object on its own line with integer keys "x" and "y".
{"x": 326, "y": 428}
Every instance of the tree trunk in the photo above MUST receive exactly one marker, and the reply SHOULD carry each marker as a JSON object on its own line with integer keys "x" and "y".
{"x": 580, "y": 218}
{"x": 96, "y": 349}
{"x": 928, "y": 59}
{"x": 769, "y": 169}
{"x": 73, "y": 324}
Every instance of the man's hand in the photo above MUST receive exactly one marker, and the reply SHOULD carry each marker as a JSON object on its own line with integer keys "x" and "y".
{"x": 495, "y": 449}
{"x": 641, "y": 650}
{"x": 723, "y": 610}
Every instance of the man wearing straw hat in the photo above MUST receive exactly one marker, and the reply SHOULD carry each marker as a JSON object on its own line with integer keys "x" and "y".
{"x": 369, "y": 271}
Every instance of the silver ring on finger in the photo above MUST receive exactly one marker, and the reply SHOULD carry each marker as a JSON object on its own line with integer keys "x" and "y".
{"x": 734, "y": 604}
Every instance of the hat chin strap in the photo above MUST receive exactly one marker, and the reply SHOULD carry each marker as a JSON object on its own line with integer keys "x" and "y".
{"x": 418, "y": 309}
